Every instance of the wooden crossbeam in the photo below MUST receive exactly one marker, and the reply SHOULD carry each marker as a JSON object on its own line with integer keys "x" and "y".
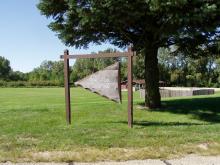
{"x": 100, "y": 55}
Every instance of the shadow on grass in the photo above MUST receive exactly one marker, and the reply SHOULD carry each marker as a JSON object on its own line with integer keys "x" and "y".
{"x": 159, "y": 124}
{"x": 206, "y": 109}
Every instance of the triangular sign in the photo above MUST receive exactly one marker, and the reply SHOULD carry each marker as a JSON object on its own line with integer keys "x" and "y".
{"x": 105, "y": 82}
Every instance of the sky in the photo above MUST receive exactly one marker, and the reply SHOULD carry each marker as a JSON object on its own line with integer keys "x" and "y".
{"x": 25, "y": 39}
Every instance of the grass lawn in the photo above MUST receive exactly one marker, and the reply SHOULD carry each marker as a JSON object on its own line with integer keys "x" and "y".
{"x": 33, "y": 127}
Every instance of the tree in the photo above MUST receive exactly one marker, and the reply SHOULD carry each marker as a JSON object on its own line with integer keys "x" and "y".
{"x": 48, "y": 71}
{"x": 191, "y": 25}
{"x": 17, "y": 76}
{"x": 5, "y": 68}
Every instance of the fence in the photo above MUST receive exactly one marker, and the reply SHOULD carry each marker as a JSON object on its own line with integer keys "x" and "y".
{"x": 181, "y": 92}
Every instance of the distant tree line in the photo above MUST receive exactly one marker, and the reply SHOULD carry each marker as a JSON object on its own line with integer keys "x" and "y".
{"x": 175, "y": 70}
{"x": 6, "y": 72}
{"x": 49, "y": 73}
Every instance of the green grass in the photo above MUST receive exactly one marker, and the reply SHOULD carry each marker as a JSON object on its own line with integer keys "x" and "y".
{"x": 33, "y": 127}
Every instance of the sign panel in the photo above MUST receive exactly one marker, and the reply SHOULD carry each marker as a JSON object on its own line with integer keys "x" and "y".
{"x": 105, "y": 82}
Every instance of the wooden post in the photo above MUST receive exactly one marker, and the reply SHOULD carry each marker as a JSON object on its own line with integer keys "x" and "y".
{"x": 130, "y": 90}
{"x": 67, "y": 86}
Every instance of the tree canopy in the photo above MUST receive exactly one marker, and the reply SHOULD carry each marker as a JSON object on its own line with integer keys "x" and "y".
{"x": 122, "y": 22}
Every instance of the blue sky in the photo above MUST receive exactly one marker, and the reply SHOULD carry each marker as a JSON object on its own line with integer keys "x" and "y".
{"x": 25, "y": 38}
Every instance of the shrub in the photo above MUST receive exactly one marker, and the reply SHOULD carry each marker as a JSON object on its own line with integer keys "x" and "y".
{"x": 16, "y": 84}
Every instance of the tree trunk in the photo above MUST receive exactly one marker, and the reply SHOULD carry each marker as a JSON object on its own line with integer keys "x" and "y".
{"x": 152, "y": 94}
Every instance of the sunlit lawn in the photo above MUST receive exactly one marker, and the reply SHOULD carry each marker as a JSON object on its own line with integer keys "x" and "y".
{"x": 33, "y": 127}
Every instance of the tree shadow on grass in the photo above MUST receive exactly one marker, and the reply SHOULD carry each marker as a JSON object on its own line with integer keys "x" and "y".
{"x": 206, "y": 109}
{"x": 159, "y": 124}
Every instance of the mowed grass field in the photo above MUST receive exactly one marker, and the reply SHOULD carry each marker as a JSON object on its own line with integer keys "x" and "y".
{"x": 33, "y": 127}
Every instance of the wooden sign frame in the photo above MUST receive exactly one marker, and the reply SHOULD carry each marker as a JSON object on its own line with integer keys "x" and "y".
{"x": 129, "y": 54}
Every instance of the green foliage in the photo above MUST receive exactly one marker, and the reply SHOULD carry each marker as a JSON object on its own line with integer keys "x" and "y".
{"x": 7, "y": 74}
{"x": 35, "y": 83}
{"x": 139, "y": 70}
{"x": 187, "y": 71}
{"x": 18, "y": 76}
{"x": 180, "y": 70}
{"x": 142, "y": 23}
{"x": 5, "y": 68}
{"x": 48, "y": 71}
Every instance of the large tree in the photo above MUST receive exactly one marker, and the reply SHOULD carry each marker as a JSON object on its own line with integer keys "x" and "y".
{"x": 146, "y": 24}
